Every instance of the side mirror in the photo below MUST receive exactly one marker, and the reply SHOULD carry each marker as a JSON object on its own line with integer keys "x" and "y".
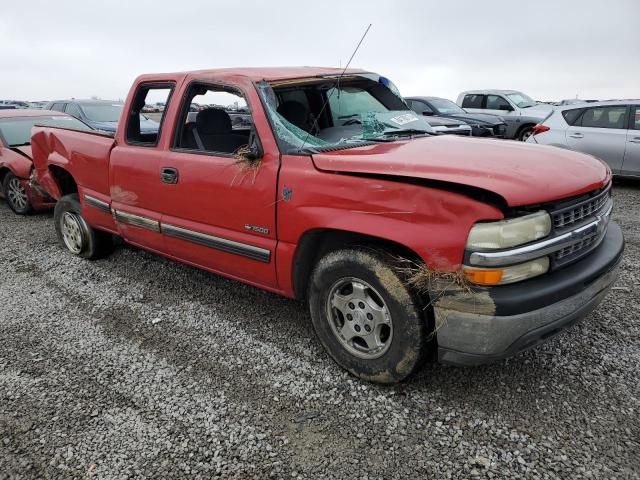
{"x": 255, "y": 152}
{"x": 506, "y": 108}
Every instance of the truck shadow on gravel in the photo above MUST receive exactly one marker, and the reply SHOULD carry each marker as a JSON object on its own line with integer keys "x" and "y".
{"x": 262, "y": 315}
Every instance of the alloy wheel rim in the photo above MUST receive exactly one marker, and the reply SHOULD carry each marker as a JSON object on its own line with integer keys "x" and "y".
{"x": 359, "y": 318}
{"x": 72, "y": 232}
{"x": 17, "y": 195}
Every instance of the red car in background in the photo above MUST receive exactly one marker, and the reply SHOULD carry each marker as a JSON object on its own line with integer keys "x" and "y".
{"x": 15, "y": 156}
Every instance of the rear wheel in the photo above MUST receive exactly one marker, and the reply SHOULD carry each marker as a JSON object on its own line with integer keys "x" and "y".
{"x": 75, "y": 234}
{"x": 366, "y": 318}
{"x": 525, "y": 133}
{"x": 16, "y": 195}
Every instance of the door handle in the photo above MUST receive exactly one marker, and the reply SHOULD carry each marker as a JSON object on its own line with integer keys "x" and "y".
{"x": 576, "y": 135}
{"x": 169, "y": 175}
{"x": 635, "y": 140}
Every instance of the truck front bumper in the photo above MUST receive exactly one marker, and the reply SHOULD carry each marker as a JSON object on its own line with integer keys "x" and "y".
{"x": 502, "y": 321}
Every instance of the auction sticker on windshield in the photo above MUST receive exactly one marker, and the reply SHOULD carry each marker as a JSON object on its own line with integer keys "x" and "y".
{"x": 404, "y": 119}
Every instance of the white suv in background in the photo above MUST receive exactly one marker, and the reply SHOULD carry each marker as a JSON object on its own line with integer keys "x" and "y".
{"x": 609, "y": 131}
{"x": 520, "y": 112}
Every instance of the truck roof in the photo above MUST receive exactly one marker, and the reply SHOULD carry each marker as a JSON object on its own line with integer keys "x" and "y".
{"x": 256, "y": 73}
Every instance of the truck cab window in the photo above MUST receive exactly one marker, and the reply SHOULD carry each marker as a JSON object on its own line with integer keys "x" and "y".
{"x": 142, "y": 132}
{"x": 496, "y": 102}
{"x": 472, "y": 101}
{"x": 214, "y": 119}
{"x": 420, "y": 107}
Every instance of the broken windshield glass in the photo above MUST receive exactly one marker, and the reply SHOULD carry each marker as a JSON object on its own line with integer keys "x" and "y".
{"x": 328, "y": 112}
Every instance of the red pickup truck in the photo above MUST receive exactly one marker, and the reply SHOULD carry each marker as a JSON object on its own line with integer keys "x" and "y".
{"x": 404, "y": 243}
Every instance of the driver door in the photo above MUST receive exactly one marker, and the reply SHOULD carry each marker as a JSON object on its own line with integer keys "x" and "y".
{"x": 219, "y": 208}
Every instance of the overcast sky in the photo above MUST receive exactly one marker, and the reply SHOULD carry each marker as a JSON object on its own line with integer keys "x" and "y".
{"x": 548, "y": 49}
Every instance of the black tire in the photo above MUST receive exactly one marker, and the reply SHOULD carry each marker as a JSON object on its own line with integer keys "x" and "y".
{"x": 15, "y": 195}
{"x": 408, "y": 336}
{"x": 525, "y": 133}
{"x": 91, "y": 243}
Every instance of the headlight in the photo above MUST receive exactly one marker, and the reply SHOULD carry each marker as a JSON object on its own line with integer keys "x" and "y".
{"x": 505, "y": 275}
{"x": 509, "y": 233}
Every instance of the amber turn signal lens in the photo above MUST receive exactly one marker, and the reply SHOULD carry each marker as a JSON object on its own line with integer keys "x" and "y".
{"x": 484, "y": 277}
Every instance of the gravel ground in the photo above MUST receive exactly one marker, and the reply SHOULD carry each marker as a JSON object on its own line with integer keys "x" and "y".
{"x": 137, "y": 367}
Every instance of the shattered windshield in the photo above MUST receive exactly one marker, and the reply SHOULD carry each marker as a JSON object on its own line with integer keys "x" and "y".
{"x": 521, "y": 100}
{"x": 326, "y": 112}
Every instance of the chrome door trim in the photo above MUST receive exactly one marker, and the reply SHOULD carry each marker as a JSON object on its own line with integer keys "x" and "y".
{"x": 96, "y": 203}
{"x": 136, "y": 220}
{"x": 218, "y": 243}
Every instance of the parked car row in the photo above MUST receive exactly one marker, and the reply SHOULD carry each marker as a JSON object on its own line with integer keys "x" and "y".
{"x": 16, "y": 156}
{"x": 100, "y": 114}
{"x": 609, "y": 131}
{"x": 481, "y": 125}
{"x": 325, "y": 188}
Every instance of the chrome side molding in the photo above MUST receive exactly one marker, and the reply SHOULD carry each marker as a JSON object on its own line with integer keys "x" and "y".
{"x": 96, "y": 203}
{"x": 136, "y": 220}
{"x": 218, "y": 243}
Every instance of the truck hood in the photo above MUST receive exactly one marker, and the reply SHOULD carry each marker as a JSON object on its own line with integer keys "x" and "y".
{"x": 521, "y": 173}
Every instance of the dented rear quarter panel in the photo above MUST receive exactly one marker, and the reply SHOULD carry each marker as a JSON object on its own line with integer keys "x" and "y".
{"x": 85, "y": 155}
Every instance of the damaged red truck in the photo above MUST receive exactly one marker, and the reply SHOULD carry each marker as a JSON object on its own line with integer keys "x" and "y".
{"x": 405, "y": 244}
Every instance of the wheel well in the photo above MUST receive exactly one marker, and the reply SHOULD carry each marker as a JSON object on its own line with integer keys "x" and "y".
{"x": 315, "y": 244}
{"x": 3, "y": 173}
{"x": 64, "y": 179}
{"x": 522, "y": 127}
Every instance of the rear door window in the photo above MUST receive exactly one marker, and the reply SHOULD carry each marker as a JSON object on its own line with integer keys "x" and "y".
{"x": 141, "y": 130}
{"x": 472, "y": 101}
{"x": 635, "y": 117}
{"x": 572, "y": 116}
{"x": 606, "y": 117}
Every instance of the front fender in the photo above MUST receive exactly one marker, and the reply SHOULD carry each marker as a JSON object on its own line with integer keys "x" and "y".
{"x": 432, "y": 222}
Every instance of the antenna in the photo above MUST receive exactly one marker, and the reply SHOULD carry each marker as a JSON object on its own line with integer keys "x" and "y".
{"x": 324, "y": 105}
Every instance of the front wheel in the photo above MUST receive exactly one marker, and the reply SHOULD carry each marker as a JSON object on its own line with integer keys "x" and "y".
{"x": 16, "y": 195}
{"x": 75, "y": 234}
{"x": 366, "y": 318}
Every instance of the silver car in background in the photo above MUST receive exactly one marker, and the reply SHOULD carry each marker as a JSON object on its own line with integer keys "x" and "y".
{"x": 520, "y": 112}
{"x": 609, "y": 131}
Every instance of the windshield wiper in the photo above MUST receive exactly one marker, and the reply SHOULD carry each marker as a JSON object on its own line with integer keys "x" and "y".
{"x": 20, "y": 145}
{"x": 407, "y": 131}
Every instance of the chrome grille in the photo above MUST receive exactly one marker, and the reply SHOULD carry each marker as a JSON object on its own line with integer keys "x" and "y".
{"x": 576, "y": 247}
{"x": 580, "y": 211}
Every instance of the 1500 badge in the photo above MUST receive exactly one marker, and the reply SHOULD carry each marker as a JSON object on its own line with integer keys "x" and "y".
{"x": 253, "y": 228}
